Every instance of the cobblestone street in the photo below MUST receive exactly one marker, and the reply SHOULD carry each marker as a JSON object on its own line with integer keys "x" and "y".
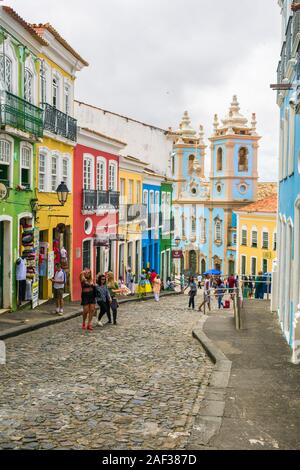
{"x": 134, "y": 386}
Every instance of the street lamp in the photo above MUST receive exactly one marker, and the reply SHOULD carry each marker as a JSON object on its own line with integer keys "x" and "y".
{"x": 62, "y": 192}
{"x": 177, "y": 241}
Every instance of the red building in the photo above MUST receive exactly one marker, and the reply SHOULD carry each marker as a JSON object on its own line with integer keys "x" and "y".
{"x": 96, "y": 204}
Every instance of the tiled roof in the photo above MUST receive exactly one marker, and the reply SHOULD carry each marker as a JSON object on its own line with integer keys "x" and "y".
{"x": 266, "y": 189}
{"x": 269, "y": 204}
{"x": 24, "y": 24}
{"x": 103, "y": 135}
{"x": 40, "y": 28}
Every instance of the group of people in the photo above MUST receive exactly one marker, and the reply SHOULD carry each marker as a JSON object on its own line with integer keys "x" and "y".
{"x": 256, "y": 286}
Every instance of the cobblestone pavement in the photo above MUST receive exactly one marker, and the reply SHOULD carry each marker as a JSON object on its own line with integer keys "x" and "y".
{"x": 137, "y": 385}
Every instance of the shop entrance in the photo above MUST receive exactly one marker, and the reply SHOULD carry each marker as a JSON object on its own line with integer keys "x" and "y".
{"x": 61, "y": 248}
{"x": 1, "y": 262}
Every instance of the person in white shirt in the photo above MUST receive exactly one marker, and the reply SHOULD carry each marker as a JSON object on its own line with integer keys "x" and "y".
{"x": 21, "y": 272}
{"x": 199, "y": 278}
{"x": 207, "y": 293}
{"x": 58, "y": 287}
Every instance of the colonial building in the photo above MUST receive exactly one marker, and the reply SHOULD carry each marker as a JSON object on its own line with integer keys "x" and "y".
{"x": 95, "y": 204}
{"x": 204, "y": 209}
{"x": 286, "y": 291}
{"x": 21, "y": 122}
{"x": 166, "y": 228}
{"x": 256, "y": 236}
{"x": 58, "y": 66}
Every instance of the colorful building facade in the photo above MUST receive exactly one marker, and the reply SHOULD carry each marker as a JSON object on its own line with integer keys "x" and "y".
{"x": 205, "y": 223}
{"x": 286, "y": 293}
{"x": 95, "y": 205}
{"x": 257, "y": 237}
{"x": 166, "y": 229}
{"x": 21, "y": 128}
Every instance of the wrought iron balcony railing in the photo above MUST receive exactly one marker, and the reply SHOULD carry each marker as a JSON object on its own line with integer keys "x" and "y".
{"x": 21, "y": 114}
{"x": 59, "y": 123}
{"x": 94, "y": 200}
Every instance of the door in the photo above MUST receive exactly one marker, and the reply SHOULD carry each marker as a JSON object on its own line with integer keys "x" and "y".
{"x": 192, "y": 262}
{"x": 231, "y": 268}
{"x": 86, "y": 254}
{"x": 1, "y": 262}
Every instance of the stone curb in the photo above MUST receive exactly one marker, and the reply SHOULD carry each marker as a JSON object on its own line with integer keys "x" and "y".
{"x": 209, "y": 419}
{"x": 20, "y": 330}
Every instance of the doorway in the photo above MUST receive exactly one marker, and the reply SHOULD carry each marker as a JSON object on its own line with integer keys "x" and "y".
{"x": 192, "y": 262}
{"x": 1, "y": 262}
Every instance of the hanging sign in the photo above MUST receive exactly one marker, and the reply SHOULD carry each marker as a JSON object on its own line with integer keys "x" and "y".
{"x": 3, "y": 192}
{"x": 177, "y": 254}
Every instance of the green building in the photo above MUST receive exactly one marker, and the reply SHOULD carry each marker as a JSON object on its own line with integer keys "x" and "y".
{"x": 167, "y": 229}
{"x": 21, "y": 126}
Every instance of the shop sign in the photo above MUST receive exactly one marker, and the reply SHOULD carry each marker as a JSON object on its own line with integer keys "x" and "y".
{"x": 50, "y": 265}
{"x": 267, "y": 254}
{"x": 177, "y": 254}
{"x": 101, "y": 242}
{"x": 35, "y": 294}
{"x": 3, "y": 191}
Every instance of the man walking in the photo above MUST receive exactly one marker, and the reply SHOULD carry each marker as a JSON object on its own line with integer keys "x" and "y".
{"x": 199, "y": 281}
{"x": 58, "y": 287}
{"x": 206, "y": 298}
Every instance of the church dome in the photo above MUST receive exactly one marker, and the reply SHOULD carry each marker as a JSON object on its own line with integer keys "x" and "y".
{"x": 185, "y": 130}
{"x": 234, "y": 122}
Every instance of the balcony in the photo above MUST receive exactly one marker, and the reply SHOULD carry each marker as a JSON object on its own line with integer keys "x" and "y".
{"x": 94, "y": 200}
{"x": 59, "y": 123}
{"x": 21, "y": 115}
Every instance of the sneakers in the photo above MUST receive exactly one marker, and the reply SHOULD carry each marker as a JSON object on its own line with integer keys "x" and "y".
{"x": 100, "y": 323}
{"x": 60, "y": 312}
{"x": 89, "y": 327}
{"x": 83, "y": 326}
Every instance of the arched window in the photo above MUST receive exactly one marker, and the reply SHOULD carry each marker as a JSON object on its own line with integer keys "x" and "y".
{"x": 55, "y": 92}
{"x": 101, "y": 174}
{"x": 254, "y": 237}
{"x": 243, "y": 159}
{"x": 88, "y": 172}
{"x": 218, "y": 231}
{"x": 6, "y": 72}
{"x": 42, "y": 171}
{"x": 26, "y": 165}
{"x": 5, "y": 161}
{"x": 203, "y": 266}
{"x": 220, "y": 159}
{"x": 54, "y": 172}
{"x": 244, "y": 235}
{"x": 265, "y": 238}
{"x": 191, "y": 164}
{"x": 112, "y": 173}
{"x": 28, "y": 86}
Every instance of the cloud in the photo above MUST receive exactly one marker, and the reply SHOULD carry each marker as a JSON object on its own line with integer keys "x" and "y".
{"x": 152, "y": 59}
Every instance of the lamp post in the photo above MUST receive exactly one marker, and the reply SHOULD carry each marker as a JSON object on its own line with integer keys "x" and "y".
{"x": 62, "y": 193}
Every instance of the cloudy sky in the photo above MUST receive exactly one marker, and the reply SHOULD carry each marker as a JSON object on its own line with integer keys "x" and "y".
{"x": 152, "y": 59}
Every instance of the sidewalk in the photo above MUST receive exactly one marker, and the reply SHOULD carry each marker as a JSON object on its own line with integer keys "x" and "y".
{"x": 262, "y": 400}
{"x": 25, "y": 320}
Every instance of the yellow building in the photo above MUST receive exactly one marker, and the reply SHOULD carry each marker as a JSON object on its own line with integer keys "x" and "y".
{"x": 256, "y": 236}
{"x": 131, "y": 182}
{"x": 58, "y": 66}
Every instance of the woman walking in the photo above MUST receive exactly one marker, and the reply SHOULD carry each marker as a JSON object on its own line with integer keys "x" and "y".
{"x": 220, "y": 291}
{"x": 103, "y": 298}
{"x": 113, "y": 289}
{"x": 88, "y": 299}
{"x": 156, "y": 287}
{"x": 192, "y": 292}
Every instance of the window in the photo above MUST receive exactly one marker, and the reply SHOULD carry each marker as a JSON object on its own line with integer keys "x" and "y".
{"x": 28, "y": 86}
{"x": 67, "y": 98}
{"x": 183, "y": 225}
{"x": 26, "y": 166}
{"x": 55, "y": 92}
{"x": 42, "y": 172}
{"x": 234, "y": 238}
{"x": 243, "y": 264}
{"x": 151, "y": 208}
{"x": 54, "y": 173}
{"x": 163, "y": 208}
{"x": 254, "y": 238}
{"x": 88, "y": 183}
{"x": 265, "y": 240}
{"x": 138, "y": 192}
{"x": 275, "y": 241}
{"x": 6, "y": 71}
{"x": 253, "y": 266}
{"x": 43, "y": 83}
{"x": 130, "y": 192}
{"x": 264, "y": 265}
{"x": 100, "y": 176}
{"x": 218, "y": 231}
{"x": 203, "y": 230}
{"x": 219, "y": 188}
{"x": 156, "y": 207}
{"x": 5, "y": 161}
{"x": 193, "y": 220}
{"x": 220, "y": 159}
{"x": 244, "y": 236}
{"x": 112, "y": 185}
{"x": 243, "y": 159}
{"x": 191, "y": 164}
{"x": 86, "y": 254}
{"x": 65, "y": 168}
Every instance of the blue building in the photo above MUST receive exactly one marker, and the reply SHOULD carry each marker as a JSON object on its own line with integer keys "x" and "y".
{"x": 286, "y": 295}
{"x": 205, "y": 223}
{"x": 151, "y": 234}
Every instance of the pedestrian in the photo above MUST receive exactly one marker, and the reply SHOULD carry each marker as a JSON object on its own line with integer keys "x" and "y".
{"x": 156, "y": 287}
{"x": 199, "y": 281}
{"x": 103, "y": 298}
{"x": 259, "y": 286}
{"x": 58, "y": 287}
{"x": 21, "y": 274}
{"x": 130, "y": 281}
{"x": 88, "y": 298}
{"x": 206, "y": 294}
{"x": 220, "y": 291}
{"x": 153, "y": 275}
{"x": 113, "y": 292}
{"x": 192, "y": 292}
{"x": 231, "y": 285}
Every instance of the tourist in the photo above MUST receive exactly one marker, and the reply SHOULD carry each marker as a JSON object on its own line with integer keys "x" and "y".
{"x": 259, "y": 286}
{"x": 231, "y": 285}
{"x": 88, "y": 298}
{"x": 103, "y": 298}
{"x": 220, "y": 291}
{"x": 192, "y": 292}
{"x": 199, "y": 281}
{"x": 207, "y": 293}
{"x": 113, "y": 291}
{"x": 59, "y": 280}
{"x": 156, "y": 287}
{"x": 130, "y": 281}
{"x": 152, "y": 276}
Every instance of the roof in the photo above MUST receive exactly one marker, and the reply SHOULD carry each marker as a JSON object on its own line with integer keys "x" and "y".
{"x": 120, "y": 115}
{"x": 150, "y": 172}
{"x": 102, "y": 135}
{"x": 24, "y": 24}
{"x": 40, "y": 28}
{"x": 266, "y": 189}
{"x": 135, "y": 160}
{"x": 269, "y": 205}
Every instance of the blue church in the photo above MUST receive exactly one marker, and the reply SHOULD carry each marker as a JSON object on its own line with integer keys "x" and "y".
{"x": 205, "y": 223}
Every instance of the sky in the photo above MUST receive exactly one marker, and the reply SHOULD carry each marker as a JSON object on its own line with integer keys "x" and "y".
{"x": 153, "y": 59}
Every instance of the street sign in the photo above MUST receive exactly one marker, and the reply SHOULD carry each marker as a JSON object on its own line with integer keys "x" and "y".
{"x": 177, "y": 254}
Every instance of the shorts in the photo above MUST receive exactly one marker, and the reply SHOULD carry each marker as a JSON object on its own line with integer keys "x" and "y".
{"x": 88, "y": 298}
{"x": 58, "y": 294}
